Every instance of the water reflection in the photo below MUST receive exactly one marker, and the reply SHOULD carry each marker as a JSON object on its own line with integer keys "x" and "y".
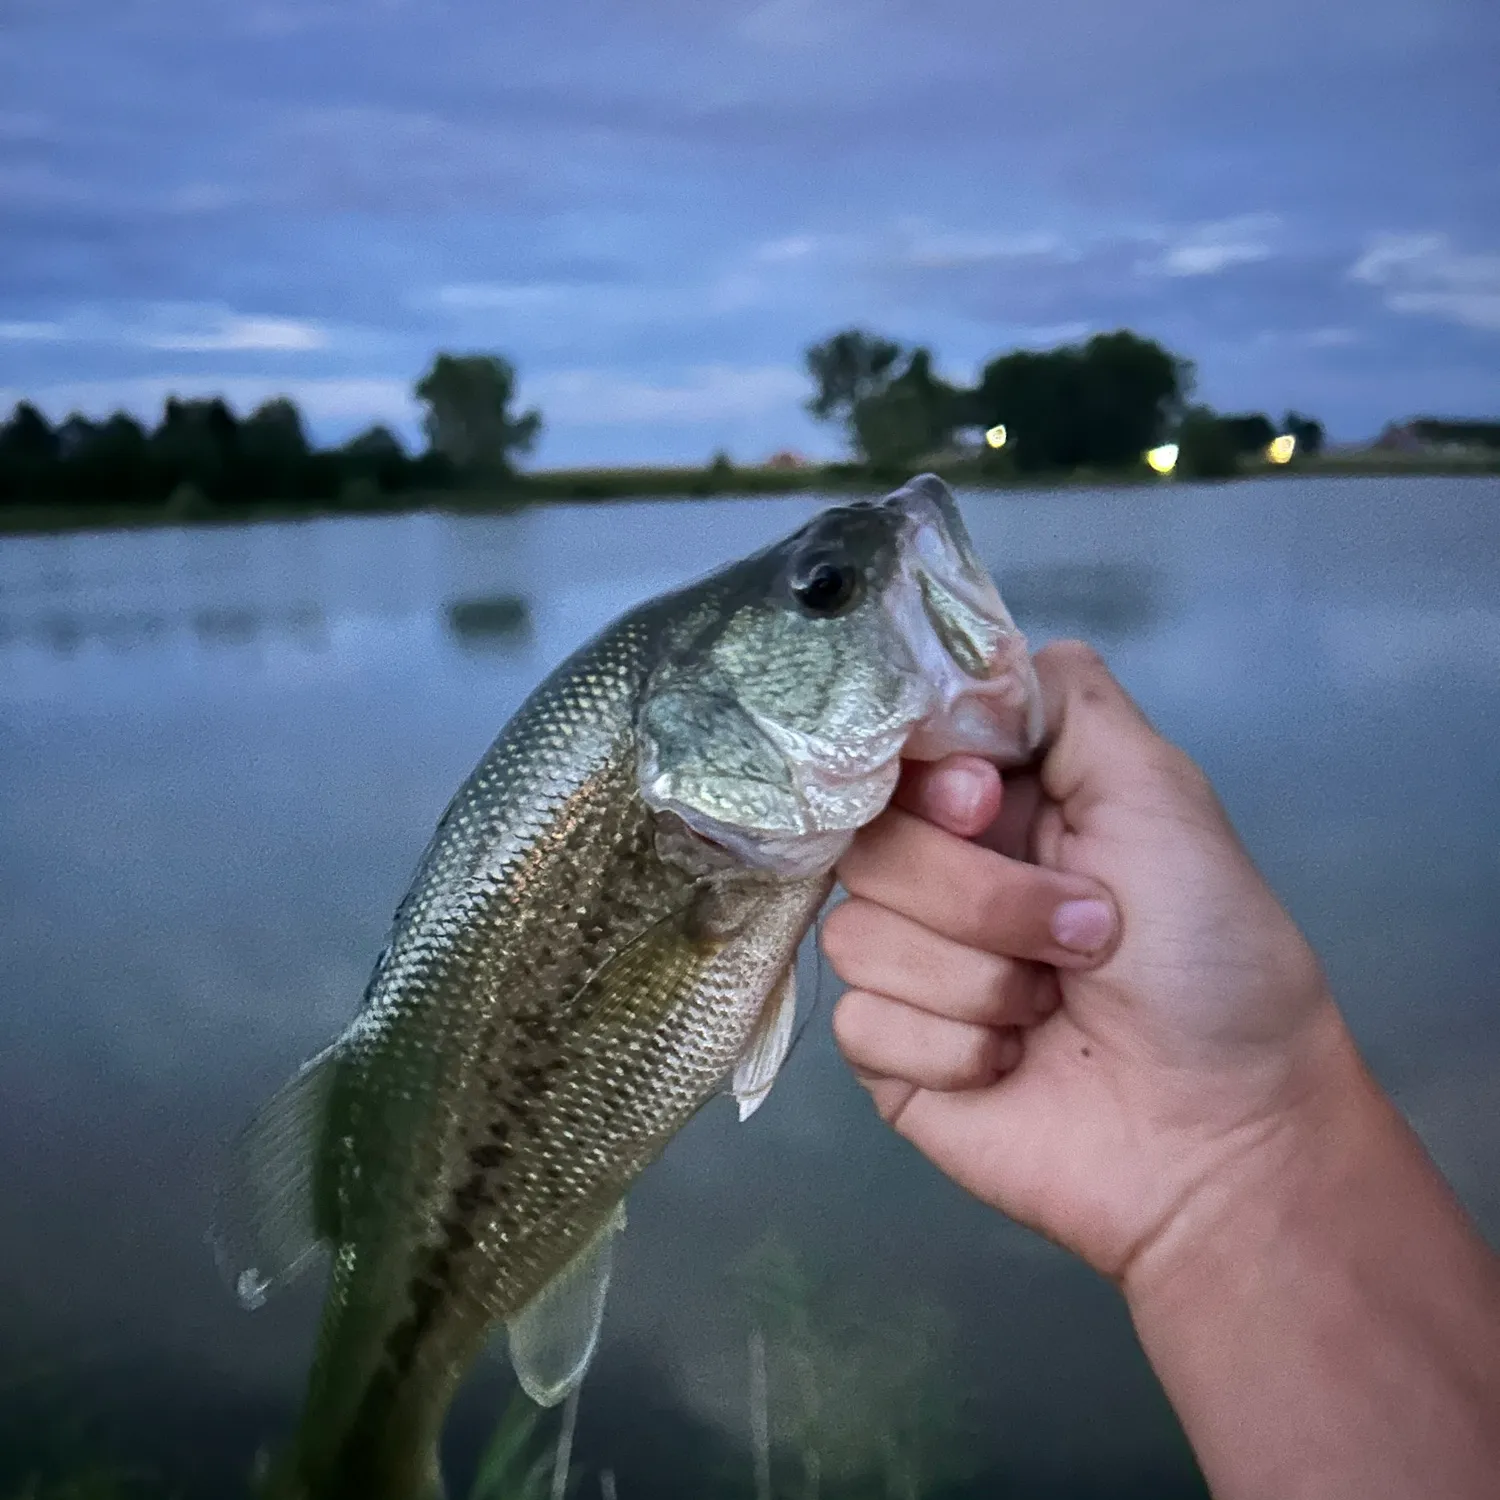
{"x": 481, "y": 624}
{"x": 224, "y": 750}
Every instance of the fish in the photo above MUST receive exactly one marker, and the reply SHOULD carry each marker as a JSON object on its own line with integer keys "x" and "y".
{"x": 600, "y": 937}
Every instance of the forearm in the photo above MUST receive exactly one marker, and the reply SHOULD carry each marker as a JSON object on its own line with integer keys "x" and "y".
{"x": 1330, "y": 1327}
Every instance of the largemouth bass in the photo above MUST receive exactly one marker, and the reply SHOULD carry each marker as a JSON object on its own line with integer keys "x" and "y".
{"x": 601, "y": 935}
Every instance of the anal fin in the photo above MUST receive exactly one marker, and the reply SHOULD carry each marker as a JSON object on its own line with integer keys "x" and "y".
{"x": 553, "y": 1338}
{"x": 768, "y": 1046}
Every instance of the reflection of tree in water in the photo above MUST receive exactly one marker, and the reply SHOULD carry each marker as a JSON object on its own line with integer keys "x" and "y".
{"x": 502, "y": 620}
{"x": 212, "y": 628}
{"x": 844, "y": 1406}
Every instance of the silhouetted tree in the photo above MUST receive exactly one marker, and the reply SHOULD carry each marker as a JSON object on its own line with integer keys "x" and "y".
{"x": 1250, "y": 432}
{"x": 106, "y": 462}
{"x": 1131, "y": 390}
{"x": 469, "y": 421}
{"x": 28, "y": 455}
{"x": 914, "y": 414}
{"x": 274, "y": 451}
{"x": 851, "y": 367}
{"x": 1031, "y": 394}
{"x": 197, "y": 444}
{"x": 376, "y": 458}
{"x": 1103, "y": 403}
{"x": 1207, "y": 446}
{"x": 1307, "y": 430}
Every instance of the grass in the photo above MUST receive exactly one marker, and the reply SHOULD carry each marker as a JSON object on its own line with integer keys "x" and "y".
{"x": 572, "y": 485}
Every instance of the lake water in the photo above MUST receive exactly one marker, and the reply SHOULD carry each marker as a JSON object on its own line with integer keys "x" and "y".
{"x": 223, "y": 749}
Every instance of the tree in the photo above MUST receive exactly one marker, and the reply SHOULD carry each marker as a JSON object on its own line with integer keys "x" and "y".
{"x": 197, "y": 443}
{"x": 107, "y": 461}
{"x": 468, "y": 421}
{"x": 1130, "y": 390}
{"x": 1207, "y": 446}
{"x": 274, "y": 451}
{"x": 1250, "y": 432}
{"x": 1307, "y": 430}
{"x": 913, "y": 415}
{"x": 28, "y": 451}
{"x": 848, "y": 368}
{"x": 27, "y": 437}
{"x": 1102, "y": 403}
{"x": 376, "y": 459}
{"x": 1030, "y": 394}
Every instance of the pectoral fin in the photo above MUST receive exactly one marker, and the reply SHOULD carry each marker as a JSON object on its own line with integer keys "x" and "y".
{"x": 769, "y": 1043}
{"x": 553, "y": 1338}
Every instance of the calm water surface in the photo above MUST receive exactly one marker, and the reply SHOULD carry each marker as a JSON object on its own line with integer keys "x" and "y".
{"x": 222, "y": 751}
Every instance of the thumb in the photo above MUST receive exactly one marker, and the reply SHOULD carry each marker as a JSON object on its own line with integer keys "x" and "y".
{"x": 1098, "y": 740}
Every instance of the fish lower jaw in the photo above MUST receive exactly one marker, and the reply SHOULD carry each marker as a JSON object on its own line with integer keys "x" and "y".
{"x": 1000, "y": 720}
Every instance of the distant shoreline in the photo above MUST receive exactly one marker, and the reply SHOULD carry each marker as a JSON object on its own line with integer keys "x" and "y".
{"x": 571, "y": 486}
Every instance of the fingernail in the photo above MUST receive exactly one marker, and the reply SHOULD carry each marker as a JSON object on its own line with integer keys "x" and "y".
{"x": 963, "y": 787}
{"x": 1083, "y": 926}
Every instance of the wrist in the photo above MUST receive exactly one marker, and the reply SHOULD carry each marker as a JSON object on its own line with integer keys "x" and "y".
{"x": 1261, "y": 1181}
{"x": 1322, "y": 1314}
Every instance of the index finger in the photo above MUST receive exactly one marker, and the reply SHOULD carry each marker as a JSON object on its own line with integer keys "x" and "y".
{"x": 978, "y": 897}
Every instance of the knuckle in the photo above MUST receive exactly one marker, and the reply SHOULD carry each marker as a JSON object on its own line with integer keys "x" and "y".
{"x": 1001, "y": 991}
{"x": 1073, "y": 653}
{"x": 851, "y": 1023}
{"x": 846, "y": 930}
{"x": 994, "y": 906}
{"x": 976, "y": 1061}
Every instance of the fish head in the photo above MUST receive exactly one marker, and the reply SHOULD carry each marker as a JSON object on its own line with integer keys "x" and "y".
{"x": 797, "y": 680}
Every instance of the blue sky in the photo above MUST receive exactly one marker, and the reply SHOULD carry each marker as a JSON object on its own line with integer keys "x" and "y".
{"x": 652, "y": 206}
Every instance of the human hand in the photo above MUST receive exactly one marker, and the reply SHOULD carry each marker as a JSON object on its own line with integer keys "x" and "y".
{"x": 1109, "y": 1097}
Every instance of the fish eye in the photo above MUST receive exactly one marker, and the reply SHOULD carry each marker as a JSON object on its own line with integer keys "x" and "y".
{"x": 826, "y": 588}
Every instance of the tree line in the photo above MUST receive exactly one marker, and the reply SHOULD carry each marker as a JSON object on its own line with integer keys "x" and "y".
{"x": 1097, "y": 405}
{"x": 201, "y": 456}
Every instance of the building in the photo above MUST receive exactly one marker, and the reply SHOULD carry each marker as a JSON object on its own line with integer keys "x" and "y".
{"x": 1442, "y": 436}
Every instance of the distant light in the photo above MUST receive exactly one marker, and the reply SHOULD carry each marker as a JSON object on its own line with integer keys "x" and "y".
{"x": 1281, "y": 448}
{"x": 1163, "y": 459}
{"x": 995, "y": 436}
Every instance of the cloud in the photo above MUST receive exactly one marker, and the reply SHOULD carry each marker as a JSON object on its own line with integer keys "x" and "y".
{"x": 236, "y": 332}
{"x": 707, "y": 393}
{"x": 792, "y": 247}
{"x": 1211, "y": 249}
{"x": 181, "y": 328}
{"x": 1424, "y": 274}
{"x": 543, "y": 307}
{"x": 1308, "y": 338}
{"x": 24, "y": 332}
{"x": 931, "y": 249}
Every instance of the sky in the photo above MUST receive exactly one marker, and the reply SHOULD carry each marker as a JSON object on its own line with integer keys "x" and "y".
{"x": 651, "y": 207}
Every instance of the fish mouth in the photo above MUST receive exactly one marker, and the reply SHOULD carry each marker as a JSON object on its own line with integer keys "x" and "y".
{"x": 984, "y": 695}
